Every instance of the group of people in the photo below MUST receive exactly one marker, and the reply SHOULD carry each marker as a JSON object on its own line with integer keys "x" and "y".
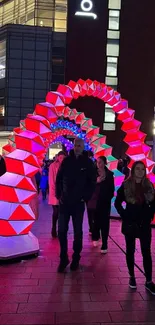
{"x": 77, "y": 181}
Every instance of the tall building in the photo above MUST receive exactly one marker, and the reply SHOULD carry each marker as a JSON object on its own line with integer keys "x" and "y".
{"x": 44, "y": 13}
{"x": 32, "y": 56}
{"x": 116, "y": 48}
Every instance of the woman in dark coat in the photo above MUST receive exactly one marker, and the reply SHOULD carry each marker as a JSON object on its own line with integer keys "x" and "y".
{"x": 138, "y": 194}
{"x": 100, "y": 204}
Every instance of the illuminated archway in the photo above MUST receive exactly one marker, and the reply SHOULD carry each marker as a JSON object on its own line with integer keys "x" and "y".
{"x": 28, "y": 145}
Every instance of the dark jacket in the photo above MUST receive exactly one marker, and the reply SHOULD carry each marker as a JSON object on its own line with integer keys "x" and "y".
{"x": 103, "y": 193}
{"x": 76, "y": 179}
{"x": 2, "y": 166}
{"x": 134, "y": 213}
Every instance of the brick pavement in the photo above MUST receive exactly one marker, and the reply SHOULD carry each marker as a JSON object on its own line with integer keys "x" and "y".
{"x": 31, "y": 292}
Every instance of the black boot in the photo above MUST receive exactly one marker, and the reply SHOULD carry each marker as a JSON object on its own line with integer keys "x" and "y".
{"x": 62, "y": 266}
{"x": 74, "y": 265}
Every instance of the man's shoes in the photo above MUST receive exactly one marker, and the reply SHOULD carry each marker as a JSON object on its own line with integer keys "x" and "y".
{"x": 104, "y": 250}
{"x": 62, "y": 266}
{"x": 74, "y": 265}
{"x": 132, "y": 283}
{"x": 150, "y": 286}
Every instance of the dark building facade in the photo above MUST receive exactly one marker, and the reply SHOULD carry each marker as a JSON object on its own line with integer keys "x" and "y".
{"x": 116, "y": 48}
{"x": 34, "y": 64}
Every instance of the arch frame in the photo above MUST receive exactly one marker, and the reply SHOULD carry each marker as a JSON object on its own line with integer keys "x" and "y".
{"x": 26, "y": 149}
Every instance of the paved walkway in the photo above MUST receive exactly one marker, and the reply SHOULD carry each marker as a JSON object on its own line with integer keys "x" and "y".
{"x": 31, "y": 292}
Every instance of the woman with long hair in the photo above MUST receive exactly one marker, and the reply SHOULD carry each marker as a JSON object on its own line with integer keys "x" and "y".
{"x": 53, "y": 170}
{"x": 100, "y": 204}
{"x": 138, "y": 194}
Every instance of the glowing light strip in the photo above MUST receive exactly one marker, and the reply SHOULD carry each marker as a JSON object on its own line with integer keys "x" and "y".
{"x": 86, "y": 14}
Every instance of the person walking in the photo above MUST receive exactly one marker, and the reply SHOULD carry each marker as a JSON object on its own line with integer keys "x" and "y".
{"x": 138, "y": 193}
{"x": 100, "y": 204}
{"x": 90, "y": 211}
{"x": 53, "y": 170}
{"x": 75, "y": 184}
{"x": 44, "y": 183}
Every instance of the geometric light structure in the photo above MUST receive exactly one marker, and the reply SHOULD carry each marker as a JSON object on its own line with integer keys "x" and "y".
{"x": 28, "y": 145}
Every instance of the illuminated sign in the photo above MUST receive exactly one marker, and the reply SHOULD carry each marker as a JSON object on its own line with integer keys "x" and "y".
{"x": 86, "y": 9}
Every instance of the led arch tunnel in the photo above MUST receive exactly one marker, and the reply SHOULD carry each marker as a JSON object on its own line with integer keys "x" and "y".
{"x": 28, "y": 145}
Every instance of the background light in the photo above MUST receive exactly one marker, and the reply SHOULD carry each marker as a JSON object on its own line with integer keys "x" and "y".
{"x": 90, "y": 5}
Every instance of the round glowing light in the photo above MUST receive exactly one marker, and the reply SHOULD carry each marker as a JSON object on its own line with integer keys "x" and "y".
{"x": 86, "y": 5}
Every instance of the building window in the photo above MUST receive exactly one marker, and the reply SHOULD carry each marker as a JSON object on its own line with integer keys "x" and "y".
{"x": 2, "y": 110}
{"x": 113, "y": 34}
{"x": 109, "y": 126}
{"x": 114, "y": 4}
{"x": 109, "y": 115}
{"x": 47, "y": 13}
{"x": 114, "y": 19}
{"x": 112, "y": 49}
{"x": 112, "y": 66}
{"x": 2, "y": 59}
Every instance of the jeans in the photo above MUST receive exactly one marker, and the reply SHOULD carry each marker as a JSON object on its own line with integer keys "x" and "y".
{"x": 77, "y": 213}
{"x": 101, "y": 223}
{"x": 44, "y": 193}
{"x": 55, "y": 216}
{"x": 145, "y": 243}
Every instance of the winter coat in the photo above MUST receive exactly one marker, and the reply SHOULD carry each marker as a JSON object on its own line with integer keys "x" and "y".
{"x": 76, "y": 179}
{"x": 103, "y": 193}
{"x": 141, "y": 214}
{"x": 44, "y": 180}
{"x": 53, "y": 170}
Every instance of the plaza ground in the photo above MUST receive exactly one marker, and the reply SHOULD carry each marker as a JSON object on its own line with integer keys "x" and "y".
{"x": 31, "y": 291}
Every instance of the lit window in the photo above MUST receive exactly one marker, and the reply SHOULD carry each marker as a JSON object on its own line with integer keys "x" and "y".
{"x": 112, "y": 66}
{"x": 114, "y": 4}
{"x": 113, "y": 34}
{"x": 109, "y": 116}
{"x": 109, "y": 126}
{"x": 2, "y": 110}
{"x": 111, "y": 81}
{"x": 114, "y": 19}
{"x": 2, "y": 59}
{"x": 112, "y": 49}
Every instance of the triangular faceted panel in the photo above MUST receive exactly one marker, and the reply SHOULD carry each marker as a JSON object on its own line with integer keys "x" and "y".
{"x": 26, "y": 183}
{"x": 26, "y": 230}
{"x": 21, "y": 213}
{"x": 32, "y": 160}
{"x": 8, "y": 194}
{"x": 24, "y": 196}
{"x": 66, "y": 92}
{"x": 19, "y": 226}
{"x": 6, "y": 209}
{"x": 6, "y": 229}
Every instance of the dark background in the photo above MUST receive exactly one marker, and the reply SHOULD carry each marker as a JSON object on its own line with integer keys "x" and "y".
{"x": 86, "y": 55}
{"x": 86, "y": 58}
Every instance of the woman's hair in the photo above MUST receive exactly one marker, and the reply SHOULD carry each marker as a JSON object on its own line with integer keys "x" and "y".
{"x": 134, "y": 166}
{"x": 104, "y": 159}
{"x": 61, "y": 153}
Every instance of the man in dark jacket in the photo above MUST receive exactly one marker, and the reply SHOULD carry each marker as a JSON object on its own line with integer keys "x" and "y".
{"x": 75, "y": 184}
